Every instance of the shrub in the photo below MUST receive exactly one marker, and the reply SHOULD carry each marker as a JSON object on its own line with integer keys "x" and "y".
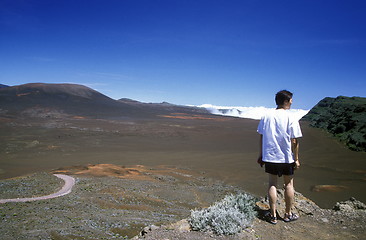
{"x": 229, "y": 216}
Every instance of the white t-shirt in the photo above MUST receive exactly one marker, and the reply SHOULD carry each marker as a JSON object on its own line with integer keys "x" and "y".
{"x": 278, "y": 127}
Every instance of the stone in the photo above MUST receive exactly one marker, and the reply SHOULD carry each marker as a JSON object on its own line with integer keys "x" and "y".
{"x": 350, "y": 205}
{"x": 180, "y": 226}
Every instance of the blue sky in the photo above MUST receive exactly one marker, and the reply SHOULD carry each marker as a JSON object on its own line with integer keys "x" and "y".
{"x": 224, "y": 52}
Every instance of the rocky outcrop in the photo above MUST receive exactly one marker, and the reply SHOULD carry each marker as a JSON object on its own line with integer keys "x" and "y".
{"x": 350, "y": 205}
{"x": 302, "y": 204}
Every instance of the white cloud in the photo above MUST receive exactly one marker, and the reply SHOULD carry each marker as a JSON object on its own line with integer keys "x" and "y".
{"x": 247, "y": 112}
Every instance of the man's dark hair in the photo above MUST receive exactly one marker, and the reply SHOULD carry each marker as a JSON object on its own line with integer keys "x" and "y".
{"x": 282, "y": 96}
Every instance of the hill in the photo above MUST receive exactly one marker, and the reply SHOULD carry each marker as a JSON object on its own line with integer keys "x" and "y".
{"x": 50, "y": 100}
{"x": 344, "y": 117}
{"x": 164, "y": 107}
{"x": 40, "y": 98}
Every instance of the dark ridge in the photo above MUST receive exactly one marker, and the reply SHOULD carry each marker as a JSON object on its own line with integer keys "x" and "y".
{"x": 344, "y": 117}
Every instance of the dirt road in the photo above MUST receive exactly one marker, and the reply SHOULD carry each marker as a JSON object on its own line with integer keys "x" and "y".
{"x": 66, "y": 189}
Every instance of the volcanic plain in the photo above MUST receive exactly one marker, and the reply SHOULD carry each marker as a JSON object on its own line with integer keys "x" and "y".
{"x": 138, "y": 164}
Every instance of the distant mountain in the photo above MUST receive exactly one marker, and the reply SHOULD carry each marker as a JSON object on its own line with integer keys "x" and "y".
{"x": 164, "y": 107}
{"x": 128, "y": 100}
{"x": 66, "y": 98}
{"x": 3, "y": 86}
{"x": 344, "y": 117}
{"x": 61, "y": 99}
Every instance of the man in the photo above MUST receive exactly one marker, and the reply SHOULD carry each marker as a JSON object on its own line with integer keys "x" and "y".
{"x": 279, "y": 152}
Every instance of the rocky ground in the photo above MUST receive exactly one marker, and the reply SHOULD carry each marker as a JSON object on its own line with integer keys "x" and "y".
{"x": 139, "y": 202}
{"x": 345, "y": 221}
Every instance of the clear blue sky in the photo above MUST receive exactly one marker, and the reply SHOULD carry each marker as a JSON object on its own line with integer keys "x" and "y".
{"x": 224, "y": 52}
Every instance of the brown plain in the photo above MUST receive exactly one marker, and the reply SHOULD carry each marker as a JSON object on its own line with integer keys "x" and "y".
{"x": 221, "y": 148}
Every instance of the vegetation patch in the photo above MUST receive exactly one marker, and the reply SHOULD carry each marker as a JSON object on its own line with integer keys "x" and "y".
{"x": 344, "y": 117}
{"x": 229, "y": 216}
{"x": 106, "y": 207}
{"x": 34, "y": 185}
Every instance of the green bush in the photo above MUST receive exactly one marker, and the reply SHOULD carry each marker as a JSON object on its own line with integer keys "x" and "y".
{"x": 229, "y": 216}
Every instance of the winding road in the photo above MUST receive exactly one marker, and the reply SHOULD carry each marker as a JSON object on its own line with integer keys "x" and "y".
{"x": 66, "y": 189}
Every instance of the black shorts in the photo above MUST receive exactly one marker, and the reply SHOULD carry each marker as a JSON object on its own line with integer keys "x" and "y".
{"x": 280, "y": 168}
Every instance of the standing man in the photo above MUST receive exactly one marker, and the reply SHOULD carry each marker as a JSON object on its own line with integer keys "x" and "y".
{"x": 279, "y": 152}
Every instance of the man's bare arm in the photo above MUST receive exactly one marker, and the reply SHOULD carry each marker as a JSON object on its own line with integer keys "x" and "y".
{"x": 295, "y": 150}
{"x": 260, "y": 161}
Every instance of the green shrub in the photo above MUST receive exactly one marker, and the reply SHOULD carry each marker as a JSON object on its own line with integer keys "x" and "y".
{"x": 229, "y": 216}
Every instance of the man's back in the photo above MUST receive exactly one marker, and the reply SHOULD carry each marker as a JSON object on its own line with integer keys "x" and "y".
{"x": 278, "y": 127}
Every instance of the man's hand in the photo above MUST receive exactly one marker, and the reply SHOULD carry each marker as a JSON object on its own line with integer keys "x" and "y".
{"x": 297, "y": 164}
{"x": 260, "y": 161}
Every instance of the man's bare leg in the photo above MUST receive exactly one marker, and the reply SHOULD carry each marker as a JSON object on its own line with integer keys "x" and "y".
{"x": 289, "y": 193}
{"x": 272, "y": 193}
